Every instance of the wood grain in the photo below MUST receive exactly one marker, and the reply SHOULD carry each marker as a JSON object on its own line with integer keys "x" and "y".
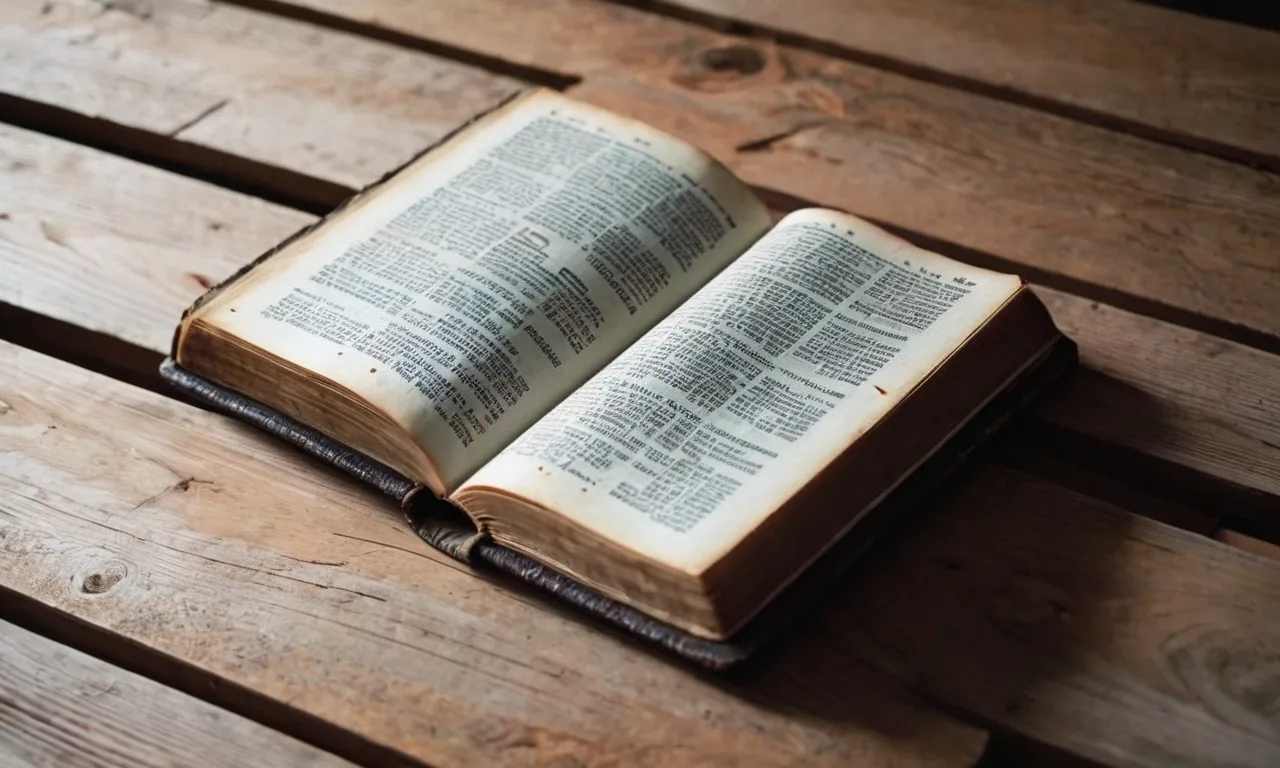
{"x": 118, "y": 247}
{"x": 1170, "y": 233}
{"x": 142, "y": 517}
{"x": 1184, "y": 236}
{"x": 1188, "y": 79}
{"x": 1248, "y": 543}
{"x": 1110, "y": 636}
{"x": 79, "y": 231}
{"x": 339, "y": 107}
{"x": 176, "y": 529}
{"x": 1199, "y": 402}
{"x": 59, "y": 707}
{"x": 1029, "y": 452}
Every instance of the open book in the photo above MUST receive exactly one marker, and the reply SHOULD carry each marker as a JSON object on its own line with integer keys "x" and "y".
{"x": 593, "y": 340}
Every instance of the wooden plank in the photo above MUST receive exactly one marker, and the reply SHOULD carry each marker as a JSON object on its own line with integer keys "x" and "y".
{"x": 338, "y": 107}
{"x": 1180, "y": 235}
{"x": 80, "y": 232}
{"x": 1196, "y": 401}
{"x": 59, "y": 707}
{"x": 1112, "y": 637}
{"x": 162, "y": 525}
{"x": 118, "y": 247}
{"x": 1186, "y": 79}
{"x": 1170, "y": 233}
{"x": 239, "y": 558}
{"x": 1248, "y": 543}
{"x": 1027, "y": 452}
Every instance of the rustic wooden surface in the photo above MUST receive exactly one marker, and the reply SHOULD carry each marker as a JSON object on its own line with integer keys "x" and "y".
{"x": 83, "y": 242}
{"x": 226, "y": 78}
{"x": 180, "y": 509}
{"x": 1203, "y": 83}
{"x": 1248, "y": 543}
{"x": 1053, "y": 196}
{"x": 1182, "y": 235}
{"x": 1202, "y": 403}
{"x": 1080, "y": 625}
{"x": 1119, "y": 155}
{"x": 62, "y": 709}
{"x": 98, "y": 258}
{"x": 178, "y": 530}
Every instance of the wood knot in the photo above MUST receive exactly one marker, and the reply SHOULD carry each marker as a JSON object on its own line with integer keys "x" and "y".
{"x": 726, "y": 66}
{"x": 736, "y": 60}
{"x": 104, "y": 578}
{"x": 184, "y": 485}
{"x": 1233, "y": 670}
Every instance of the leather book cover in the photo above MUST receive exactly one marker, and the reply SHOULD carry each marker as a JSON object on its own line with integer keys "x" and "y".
{"x": 447, "y": 529}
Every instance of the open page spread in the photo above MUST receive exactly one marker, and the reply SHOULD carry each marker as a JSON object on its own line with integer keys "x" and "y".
{"x": 484, "y": 284}
{"x": 708, "y": 423}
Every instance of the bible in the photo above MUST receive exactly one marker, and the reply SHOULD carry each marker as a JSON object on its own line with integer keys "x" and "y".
{"x": 580, "y": 351}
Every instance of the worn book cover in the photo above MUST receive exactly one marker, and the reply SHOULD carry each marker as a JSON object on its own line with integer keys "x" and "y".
{"x": 580, "y": 352}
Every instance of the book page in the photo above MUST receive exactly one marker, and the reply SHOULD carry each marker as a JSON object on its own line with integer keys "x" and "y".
{"x": 487, "y": 281}
{"x": 712, "y": 420}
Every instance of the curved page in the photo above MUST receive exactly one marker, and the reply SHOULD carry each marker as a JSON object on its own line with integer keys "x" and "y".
{"x": 713, "y": 419}
{"x": 487, "y": 281}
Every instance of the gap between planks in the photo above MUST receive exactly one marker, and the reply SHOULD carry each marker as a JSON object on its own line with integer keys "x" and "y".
{"x": 228, "y": 170}
{"x": 296, "y": 588}
{"x": 318, "y": 197}
{"x": 1043, "y": 612}
{"x": 1098, "y": 219}
{"x": 60, "y": 707}
{"x": 135, "y": 658}
{"x": 1046, "y": 85}
{"x": 941, "y": 246}
{"x": 114, "y": 272}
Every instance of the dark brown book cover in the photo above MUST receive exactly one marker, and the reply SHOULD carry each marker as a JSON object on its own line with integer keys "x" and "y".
{"x": 449, "y": 531}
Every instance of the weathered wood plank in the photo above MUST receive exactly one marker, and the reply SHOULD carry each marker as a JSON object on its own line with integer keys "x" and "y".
{"x": 1109, "y": 636}
{"x": 1199, "y": 402}
{"x": 1186, "y": 235}
{"x": 81, "y": 234}
{"x": 163, "y": 525}
{"x": 237, "y": 557}
{"x": 1188, "y": 79}
{"x": 114, "y": 246}
{"x": 335, "y": 106}
{"x": 1248, "y": 543}
{"x": 1028, "y": 451}
{"x": 1155, "y": 228}
{"x": 59, "y": 707}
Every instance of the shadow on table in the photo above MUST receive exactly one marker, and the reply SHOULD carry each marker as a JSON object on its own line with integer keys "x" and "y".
{"x": 1249, "y": 12}
{"x": 1120, "y": 416}
{"x": 998, "y": 587}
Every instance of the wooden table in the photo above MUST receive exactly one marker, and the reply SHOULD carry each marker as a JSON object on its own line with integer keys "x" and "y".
{"x": 177, "y": 589}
